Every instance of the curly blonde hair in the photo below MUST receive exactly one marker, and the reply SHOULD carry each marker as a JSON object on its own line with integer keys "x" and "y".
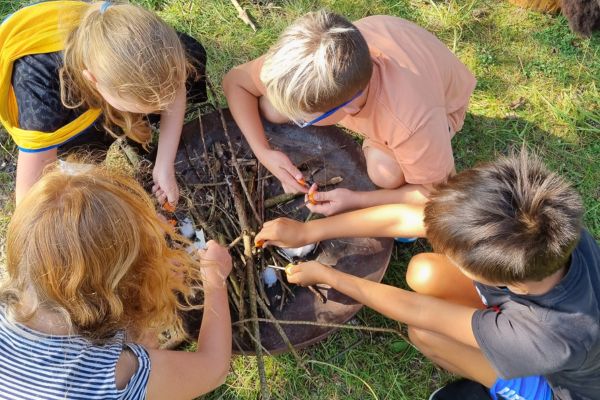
{"x": 91, "y": 247}
{"x": 134, "y": 54}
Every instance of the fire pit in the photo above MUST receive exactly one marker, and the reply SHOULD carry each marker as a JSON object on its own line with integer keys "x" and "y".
{"x": 328, "y": 155}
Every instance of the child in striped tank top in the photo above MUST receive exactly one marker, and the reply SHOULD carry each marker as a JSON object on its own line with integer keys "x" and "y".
{"x": 90, "y": 281}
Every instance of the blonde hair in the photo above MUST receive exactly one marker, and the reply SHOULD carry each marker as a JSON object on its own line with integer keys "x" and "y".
{"x": 133, "y": 53}
{"x": 90, "y": 247}
{"x": 318, "y": 62}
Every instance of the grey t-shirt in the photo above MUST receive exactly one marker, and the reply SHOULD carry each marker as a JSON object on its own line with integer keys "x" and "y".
{"x": 556, "y": 335}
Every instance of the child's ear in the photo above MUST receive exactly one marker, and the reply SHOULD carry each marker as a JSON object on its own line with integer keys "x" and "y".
{"x": 87, "y": 74}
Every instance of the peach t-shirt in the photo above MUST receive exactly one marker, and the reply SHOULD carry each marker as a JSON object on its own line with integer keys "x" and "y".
{"x": 417, "y": 97}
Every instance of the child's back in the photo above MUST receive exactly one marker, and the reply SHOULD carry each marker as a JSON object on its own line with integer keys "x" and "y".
{"x": 35, "y": 365}
{"x": 91, "y": 277}
{"x": 417, "y": 95}
{"x": 556, "y": 334}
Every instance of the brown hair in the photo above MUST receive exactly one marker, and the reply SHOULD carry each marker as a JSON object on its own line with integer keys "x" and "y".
{"x": 133, "y": 53}
{"x": 91, "y": 247}
{"x": 318, "y": 62}
{"x": 508, "y": 221}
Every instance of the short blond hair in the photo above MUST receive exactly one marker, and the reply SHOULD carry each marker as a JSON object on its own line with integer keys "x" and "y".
{"x": 318, "y": 62}
{"x": 133, "y": 53}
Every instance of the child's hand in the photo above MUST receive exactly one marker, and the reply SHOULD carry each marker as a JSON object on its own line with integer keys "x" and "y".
{"x": 216, "y": 264}
{"x": 282, "y": 232}
{"x": 333, "y": 202}
{"x": 165, "y": 185}
{"x": 309, "y": 273}
{"x": 280, "y": 165}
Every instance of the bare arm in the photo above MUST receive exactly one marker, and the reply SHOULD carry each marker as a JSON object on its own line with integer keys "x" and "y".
{"x": 390, "y": 220}
{"x": 29, "y": 169}
{"x": 341, "y": 200}
{"x": 406, "y": 194}
{"x": 186, "y": 375}
{"x": 243, "y": 99}
{"x": 171, "y": 123}
{"x": 413, "y": 309}
{"x": 242, "y": 96}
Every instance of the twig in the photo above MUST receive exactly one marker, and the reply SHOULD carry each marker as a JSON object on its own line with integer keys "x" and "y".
{"x": 235, "y": 241}
{"x": 283, "y": 335}
{"x": 261, "y": 289}
{"x": 261, "y": 191}
{"x": 317, "y": 293}
{"x": 244, "y": 224}
{"x": 243, "y": 15}
{"x": 236, "y": 166}
{"x": 330, "y": 325}
{"x": 281, "y": 198}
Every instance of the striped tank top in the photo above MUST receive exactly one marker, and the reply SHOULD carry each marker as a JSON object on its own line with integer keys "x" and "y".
{"x": 39, "y": 366}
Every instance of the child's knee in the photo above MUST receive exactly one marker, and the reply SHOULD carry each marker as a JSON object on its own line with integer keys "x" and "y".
{"x": 420, "y": 273}
{"x": 383, "y": 170}
{"x": 269, "y": 112}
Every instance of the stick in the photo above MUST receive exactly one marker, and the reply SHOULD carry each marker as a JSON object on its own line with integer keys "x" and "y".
{"x": 243, "y": 218}
{"x": 236, "y": 166}
{"x": 317, "y": 293}
{"x": 261, "y": 191}
{"x": 335, "y": 326}
{"x": 235, "y": 241}
{"x": 281, "y": 198}
{"x": 283, "y": 335}
{"x": 243, "y": 15}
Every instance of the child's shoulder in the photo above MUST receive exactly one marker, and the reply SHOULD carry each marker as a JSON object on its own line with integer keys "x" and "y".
{"x": 388, "y": 24}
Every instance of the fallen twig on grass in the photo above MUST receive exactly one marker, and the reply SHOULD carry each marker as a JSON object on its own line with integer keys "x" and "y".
{"x": 243, "y": 15}
{"x": 331, "y": 325}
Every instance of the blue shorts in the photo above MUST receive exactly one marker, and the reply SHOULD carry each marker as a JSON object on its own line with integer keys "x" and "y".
{"x": 528, "y": 388}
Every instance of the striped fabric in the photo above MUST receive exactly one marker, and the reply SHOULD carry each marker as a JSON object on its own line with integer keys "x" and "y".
{"x": 38, "y": 366}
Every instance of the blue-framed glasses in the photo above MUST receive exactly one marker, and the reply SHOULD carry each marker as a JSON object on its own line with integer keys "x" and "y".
{"x": 328, "y": 113}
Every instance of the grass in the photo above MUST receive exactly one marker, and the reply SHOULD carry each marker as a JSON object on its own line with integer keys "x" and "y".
{"x": 513, "y": 52}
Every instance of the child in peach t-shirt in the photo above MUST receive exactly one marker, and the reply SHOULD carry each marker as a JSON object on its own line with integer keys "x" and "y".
{"x": 383, "y": 77}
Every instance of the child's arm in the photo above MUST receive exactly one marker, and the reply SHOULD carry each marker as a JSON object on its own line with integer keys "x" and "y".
{"x": 391, "y": 220}
{"x": 186, "y": 375}
{"x": 340, "y": 200}
{"x": 29, "y": 169}
{"x": 171, "y": 121}
{"x": 243, "y": 99}
{"x": 414, "y": 309}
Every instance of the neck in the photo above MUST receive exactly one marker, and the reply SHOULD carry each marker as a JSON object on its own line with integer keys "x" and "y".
{"x": 537, "y": 288}
{"x": 357, "y": 105}
{"x": 46, "y": 321}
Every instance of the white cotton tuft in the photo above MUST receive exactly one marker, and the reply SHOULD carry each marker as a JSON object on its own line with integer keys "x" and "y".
{"x": 269, "y": 277}
{"x": 298, "y": 252}
{"x": 71, "y": 168}
{"x": 186, "y": 228}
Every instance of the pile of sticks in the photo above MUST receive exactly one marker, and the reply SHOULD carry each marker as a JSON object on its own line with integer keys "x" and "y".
{"x": 233, "y": 197}
{"x": 229, "y": 204}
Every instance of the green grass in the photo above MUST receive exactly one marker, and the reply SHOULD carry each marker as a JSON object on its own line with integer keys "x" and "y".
{"x": 514, "y": 53}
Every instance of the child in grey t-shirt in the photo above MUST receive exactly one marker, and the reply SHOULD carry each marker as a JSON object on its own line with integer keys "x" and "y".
{"x": 508, "y": 233}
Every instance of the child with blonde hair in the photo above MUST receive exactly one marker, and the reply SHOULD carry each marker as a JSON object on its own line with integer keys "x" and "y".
{"x": 91, "y": 277}
{"x": 76, "y": 73}
{"x": 383, "y": 77}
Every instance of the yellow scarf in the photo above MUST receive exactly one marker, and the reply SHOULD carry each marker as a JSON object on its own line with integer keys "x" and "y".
{"x": 37, "y": 29}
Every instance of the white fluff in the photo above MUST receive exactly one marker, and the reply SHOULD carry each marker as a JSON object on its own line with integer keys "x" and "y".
{"x": 186, "y": 228}
{"x": 269, "y": 276}
{"x": 199, "y": 243}
{"x": 71, "y": 168}
{"x": 298, "y": 252}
